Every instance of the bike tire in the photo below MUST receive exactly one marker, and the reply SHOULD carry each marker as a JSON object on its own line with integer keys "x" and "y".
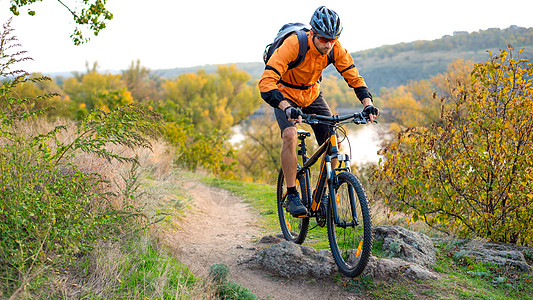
{"x": 351, "y": 246}
{"x": 293, "y": 229}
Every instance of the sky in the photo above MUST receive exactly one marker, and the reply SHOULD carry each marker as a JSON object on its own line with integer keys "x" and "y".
{"x": 166, "y": 34}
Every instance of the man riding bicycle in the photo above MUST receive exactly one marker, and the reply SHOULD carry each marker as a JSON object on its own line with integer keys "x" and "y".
{"x": 289, "y": 90}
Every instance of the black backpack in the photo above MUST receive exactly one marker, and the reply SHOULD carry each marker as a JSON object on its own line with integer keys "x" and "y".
{"x": 286, "y": 31}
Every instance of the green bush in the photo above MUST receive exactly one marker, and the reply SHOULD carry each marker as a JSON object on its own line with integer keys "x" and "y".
{"x": 51, "y": 211}
{"x": 470, "y": 172}
{"x": 219, "y": 274}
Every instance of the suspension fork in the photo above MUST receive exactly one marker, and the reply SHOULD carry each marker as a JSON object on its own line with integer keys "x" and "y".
{"x": 333, "y": 182}
{"x": 303, "y": 173}
{"x": 332, "y": 178}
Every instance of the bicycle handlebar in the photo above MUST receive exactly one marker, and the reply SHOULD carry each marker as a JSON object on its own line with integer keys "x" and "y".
{"x": 358, "y": 118}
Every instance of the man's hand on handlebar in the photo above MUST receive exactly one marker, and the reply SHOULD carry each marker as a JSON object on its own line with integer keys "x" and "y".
{"x": 293, "y": 114}
{"x": 372, "y": 112}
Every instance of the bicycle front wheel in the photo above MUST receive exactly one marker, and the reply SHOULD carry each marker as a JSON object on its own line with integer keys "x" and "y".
{"x": 294, "y": 229}
{"x": 350, "y": 237}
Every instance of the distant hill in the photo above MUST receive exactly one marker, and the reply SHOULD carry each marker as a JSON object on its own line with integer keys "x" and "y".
{"x": 394, "y": 65}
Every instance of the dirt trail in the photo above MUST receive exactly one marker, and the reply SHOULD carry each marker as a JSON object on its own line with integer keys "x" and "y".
{"x": 221, "y": 229}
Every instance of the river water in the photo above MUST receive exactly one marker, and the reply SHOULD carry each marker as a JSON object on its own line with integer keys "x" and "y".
{"x": 364, "y": 143}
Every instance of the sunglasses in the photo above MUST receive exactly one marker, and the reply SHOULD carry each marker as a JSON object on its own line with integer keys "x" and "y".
{"x": 325, "y": 40}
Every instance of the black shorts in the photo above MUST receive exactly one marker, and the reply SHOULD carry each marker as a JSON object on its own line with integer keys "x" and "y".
{"x": 318, "y": 107}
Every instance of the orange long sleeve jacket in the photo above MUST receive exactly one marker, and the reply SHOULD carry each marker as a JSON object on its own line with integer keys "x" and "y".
{"x": 301, "y": 84}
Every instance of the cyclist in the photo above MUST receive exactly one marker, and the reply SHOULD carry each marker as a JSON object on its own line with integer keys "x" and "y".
{"x": 292, "y": 91}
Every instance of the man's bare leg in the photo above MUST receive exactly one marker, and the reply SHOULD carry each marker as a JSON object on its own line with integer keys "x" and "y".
{"x": 289, "y": 159}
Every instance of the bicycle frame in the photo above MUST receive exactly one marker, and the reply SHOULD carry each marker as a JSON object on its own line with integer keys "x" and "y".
{"x": 329, "y": 149}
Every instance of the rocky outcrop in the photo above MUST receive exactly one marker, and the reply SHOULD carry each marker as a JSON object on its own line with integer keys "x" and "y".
{"x": 414, "y": 253}
{"x": 408, "y": 254}
{"x": 290, "y": 260}
{"x": 387, "y": 268}
{"x": 406, "y": 244}
{"x": 497, "y": 253}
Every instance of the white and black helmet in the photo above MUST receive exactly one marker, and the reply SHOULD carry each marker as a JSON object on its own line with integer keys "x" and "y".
{"x": 326, "y": 23}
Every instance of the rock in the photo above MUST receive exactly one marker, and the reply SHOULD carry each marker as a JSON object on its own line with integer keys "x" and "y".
{"x": 270, "y": 239}
{"x": 411, "y": 255}
{"x": 290, "y": 260}
{"x": 384, "y": 268}
{"x": 418, "y": 272}
{"x": 393, "y": 268}
{"x": 497, "y": 253}
{"x": 408, "y": 245}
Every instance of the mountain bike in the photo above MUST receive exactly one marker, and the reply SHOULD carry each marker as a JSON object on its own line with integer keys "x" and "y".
{"x": 338, "y": 200}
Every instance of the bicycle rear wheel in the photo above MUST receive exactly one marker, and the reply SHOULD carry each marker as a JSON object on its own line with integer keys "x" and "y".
{"x": 351, "y": 238}
{"x": 294, "y": 229}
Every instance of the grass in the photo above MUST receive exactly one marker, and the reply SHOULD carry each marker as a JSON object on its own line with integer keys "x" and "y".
{"x": 138, "y": 269}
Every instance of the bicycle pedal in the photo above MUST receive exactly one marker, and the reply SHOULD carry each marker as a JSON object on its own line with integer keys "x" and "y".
{"x": 300, "y": 216}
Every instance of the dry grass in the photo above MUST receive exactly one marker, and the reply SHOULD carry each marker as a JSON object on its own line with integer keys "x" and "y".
{"x": 107, "y": 272}
{"x": 156, "y": 162}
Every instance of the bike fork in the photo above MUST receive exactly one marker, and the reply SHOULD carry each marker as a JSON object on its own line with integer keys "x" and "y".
{"x": 332, "y": 197}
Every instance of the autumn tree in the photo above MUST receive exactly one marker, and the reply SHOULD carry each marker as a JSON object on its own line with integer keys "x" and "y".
{"x": 471, "y": 171}
{"x": 218, "y": 100}
{"x": 258, "y": 153}
{"x": 95, "y": 90}
{"x": 90, "y": 16}
{"x": 143, "y": 86}
{"x": 36, "y": 87}
{"x": 200, "y": 109}
{"x": 418, "y": 103}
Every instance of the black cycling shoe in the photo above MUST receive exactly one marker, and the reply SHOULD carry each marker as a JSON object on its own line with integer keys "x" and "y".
{"x": 294, "y": 206}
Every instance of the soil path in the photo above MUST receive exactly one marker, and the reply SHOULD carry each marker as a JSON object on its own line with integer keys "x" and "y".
{"x": 221, "y": 229}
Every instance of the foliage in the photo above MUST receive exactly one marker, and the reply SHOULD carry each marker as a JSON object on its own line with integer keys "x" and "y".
{"x": 199, "y": 144}
{"x": 95, "y": 90}
{"x": 88, "y": 15}
{"x": 258, "y": 152}
{"x": 418, "y": 103}
{"x": 138, "y": 268}
{"x": 194, "y": 149}
{"x": 212, "y": 101}
{"x": 200, "y": 110}
{"x": 470, "y": 172}
{"x": 338, "y": 93}
{"x": 232, "y": 290}
{"x": 219, "y": 274}
{"x": 142, "y": 84}
{"x": 51, "y": 211}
